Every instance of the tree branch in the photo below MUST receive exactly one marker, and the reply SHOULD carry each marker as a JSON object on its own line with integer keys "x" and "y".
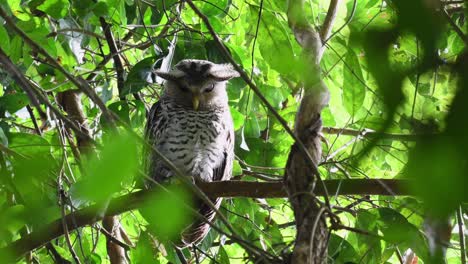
{"x": 132, "y": 201}
{"x": 301, "y": 179}
{"x": 373, "y": 134}
{"x": 328, "y": 23}
{"x": 119, "y": 69}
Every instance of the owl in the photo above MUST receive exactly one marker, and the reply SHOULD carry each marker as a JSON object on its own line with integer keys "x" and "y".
{"x": 192, "y": 126}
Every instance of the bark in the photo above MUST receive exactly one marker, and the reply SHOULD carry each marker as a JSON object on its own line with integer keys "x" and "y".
{"x": 301, "y": 175}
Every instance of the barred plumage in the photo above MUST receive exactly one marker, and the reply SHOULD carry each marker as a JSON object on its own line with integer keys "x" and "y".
{"x": 191, "y": 125}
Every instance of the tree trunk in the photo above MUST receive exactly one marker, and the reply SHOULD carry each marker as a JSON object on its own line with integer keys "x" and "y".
{"x": 301, "y": 175}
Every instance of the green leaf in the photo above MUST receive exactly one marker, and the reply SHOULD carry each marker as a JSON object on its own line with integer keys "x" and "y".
{"x": 138, "y": 118}
{"x": 236, "y": 168}
{"x": 83, "y": 7}
{"x": 94, "y": 259}
{"x": 115, "y": 166}
{"x": 430, "y": 163}
{"x": 341, "y": 251}
{"x": 139, "y": 76}
{"x": 122, "y": 110}
{"x": 368, "y": 246}
{"x": 143, "y": 252}
{"x": 13, "y": 102}
{"x": 158, "y": 11}
{"x": 100, "y": 9}
{"x": 252, "y": 128}
{"x": 354, "y": 90}
{"x": 4, "y": 40}
{"x": 29, "y": 145}
{"x": 213, "y": 8}
{"x": 238, "y": 118}
{"x": 3, "y": 138}
{"x": 16, "y": 51}
{"x": 275, "y": 44}
{"x": 274, "y": 95}
{"x": 55, "y": 8}
{"x": 12, "y": 219}
{"x": 222, "y": 256}
{"x": 167, "y": 212}
{"x": 17, "y": 10}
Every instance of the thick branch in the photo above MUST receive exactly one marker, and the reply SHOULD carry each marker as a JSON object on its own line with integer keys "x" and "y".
{"x": 301, "y": 178}
{"x": 92, "y": 214}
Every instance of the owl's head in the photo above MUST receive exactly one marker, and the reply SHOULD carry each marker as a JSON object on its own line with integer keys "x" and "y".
{"x": 198, "y": 84}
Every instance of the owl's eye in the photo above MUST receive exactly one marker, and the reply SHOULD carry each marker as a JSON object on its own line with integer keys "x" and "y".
{"x": 209, "y": 88}
{"x": 183, "y": 88}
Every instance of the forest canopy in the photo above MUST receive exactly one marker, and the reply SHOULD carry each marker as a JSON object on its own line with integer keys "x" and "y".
{"x": 387, "y": 80}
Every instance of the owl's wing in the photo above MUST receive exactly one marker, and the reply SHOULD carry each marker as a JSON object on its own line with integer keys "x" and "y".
{"x": 155, "y": 120}
{"x": 155, "y": 125}
{"x": 220, "y": 171}
{"x": 224, "y": 170}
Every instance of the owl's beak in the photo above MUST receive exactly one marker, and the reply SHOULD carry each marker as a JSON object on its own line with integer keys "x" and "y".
{"x": 195, "y": 101}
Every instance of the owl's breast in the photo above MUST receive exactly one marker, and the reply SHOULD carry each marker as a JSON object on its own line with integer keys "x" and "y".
{"x": 195, "y": 142}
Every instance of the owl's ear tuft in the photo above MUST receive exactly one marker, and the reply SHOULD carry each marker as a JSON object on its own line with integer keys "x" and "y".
{"x": 171, "y": 76}
{"x": 223, "y": 72}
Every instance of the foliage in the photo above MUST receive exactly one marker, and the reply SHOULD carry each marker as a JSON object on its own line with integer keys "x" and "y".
{"x": 396, "y": 67}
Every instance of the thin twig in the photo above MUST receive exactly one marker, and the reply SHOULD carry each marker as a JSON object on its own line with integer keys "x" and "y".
{"x": 113, "y": 239}
{"x": 344, "y": 25}
{"x": 34, "y": 120}
{"x": 65, "y": 227}
{"x": 358, "y": 231}
{"x": 106, "y": 27}
{"x": 461, "y": 233}
{"x": 328, "y": 24}
{"x": 372, "y": 134}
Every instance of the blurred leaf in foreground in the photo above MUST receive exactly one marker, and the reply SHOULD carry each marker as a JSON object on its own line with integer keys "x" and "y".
{"x": 167, "y": 212}
{"x": 105, "y": 172}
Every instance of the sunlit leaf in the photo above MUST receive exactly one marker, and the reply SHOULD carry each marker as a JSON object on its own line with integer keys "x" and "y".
{"x": 55, "y": 8}
{"x": 222, "y": 256}
{"x": 353, "y": 87}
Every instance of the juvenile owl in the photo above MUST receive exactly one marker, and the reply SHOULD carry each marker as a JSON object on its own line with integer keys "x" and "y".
{"x": 191, "y": 125}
